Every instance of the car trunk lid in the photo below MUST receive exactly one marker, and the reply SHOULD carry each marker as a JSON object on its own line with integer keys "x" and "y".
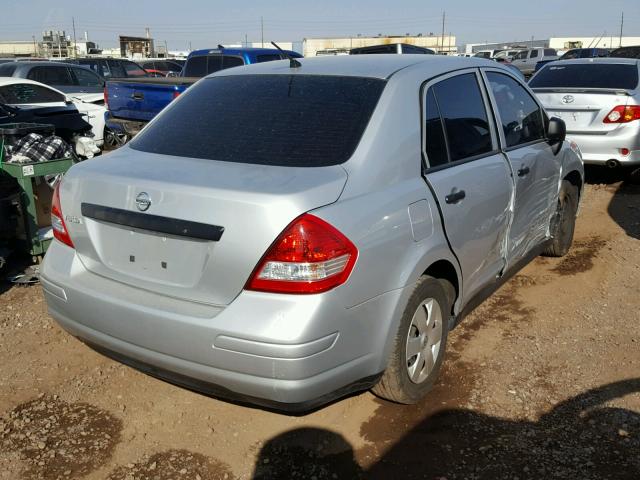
{"x": 583, "y": 110}
{"x": 187, "y": 228}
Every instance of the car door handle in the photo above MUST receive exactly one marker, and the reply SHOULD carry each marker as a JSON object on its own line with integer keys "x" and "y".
{"x": 137, "y": 96}
{"x": 523, "y": 172}
{"x": 455, "y": 196}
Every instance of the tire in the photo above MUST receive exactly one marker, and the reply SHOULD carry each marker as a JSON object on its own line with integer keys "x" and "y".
{"x": 408, "y": 379}
{"x": 563, "y": 222}
{"x": 113, "y": 139}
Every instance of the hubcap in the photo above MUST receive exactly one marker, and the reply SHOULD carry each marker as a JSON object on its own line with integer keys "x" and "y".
{"x": 424, "y": 340}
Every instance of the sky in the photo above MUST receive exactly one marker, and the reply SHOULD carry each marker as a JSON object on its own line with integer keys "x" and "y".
{"x": 206, "y": 23}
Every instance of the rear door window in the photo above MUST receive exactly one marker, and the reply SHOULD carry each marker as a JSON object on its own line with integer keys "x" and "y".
{"x": 133, "y": 69}
{"x": 7, "y": 69}
{"x": 587, "y": 75}
{"x": 465, "y": 116}
{"x": 115, "y": 69}
{"x": 534, "y": 54}
{"x": 25, "y": 93}
{"x": 521, "y": 117}
{"x": 550, "y": 52}
{"x": 86, "y": 78}
{"x": 313, "y": 120}
{"x": 435, "y": 143}
{"x": 51, "y": 75}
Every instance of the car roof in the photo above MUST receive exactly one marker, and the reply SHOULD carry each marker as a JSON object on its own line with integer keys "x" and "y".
{"x": 238, "y": 51}
{"x": 44, "y": 63}
{"x": 375, "y": 66}
{"x": 14, "y": 80}
{"x": 606, "y": 60}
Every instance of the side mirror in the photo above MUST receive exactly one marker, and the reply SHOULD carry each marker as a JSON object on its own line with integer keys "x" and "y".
{"x": 556, "y": 133}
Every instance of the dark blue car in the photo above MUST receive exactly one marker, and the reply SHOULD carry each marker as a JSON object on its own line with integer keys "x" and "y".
{"x": 577, "y": 53}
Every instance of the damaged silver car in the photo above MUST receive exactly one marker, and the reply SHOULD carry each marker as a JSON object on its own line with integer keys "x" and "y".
{"x": 291, "y": 232}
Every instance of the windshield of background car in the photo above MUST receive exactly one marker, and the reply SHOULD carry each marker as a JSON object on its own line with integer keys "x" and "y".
{"x": 284, "y": 120}
{"x": 587, "y": 75}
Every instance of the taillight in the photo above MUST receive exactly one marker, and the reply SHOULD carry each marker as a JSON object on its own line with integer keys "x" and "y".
{"x": 309, "y": 256}
{"x": 623, "y": 114}
{"x": 176, "y": 94}
{"x": 57, "y": 219}
{"x": 106, "y": 97}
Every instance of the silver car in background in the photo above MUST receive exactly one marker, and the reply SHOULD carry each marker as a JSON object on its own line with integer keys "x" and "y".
{"x": 599, "y": 100}
{"x": 288, "y": 233}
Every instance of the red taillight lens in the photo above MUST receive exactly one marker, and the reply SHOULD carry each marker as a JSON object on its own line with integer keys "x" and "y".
{"x": 310, "y": 256}
{"x": 57, "y": 220}
{"x": 106, "y": 97}
{"x": 176, "y": 94}
{"x": 623, "y": 114}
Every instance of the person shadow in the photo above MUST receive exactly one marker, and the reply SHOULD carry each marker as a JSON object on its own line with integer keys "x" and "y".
{"x": 582, "y": 438}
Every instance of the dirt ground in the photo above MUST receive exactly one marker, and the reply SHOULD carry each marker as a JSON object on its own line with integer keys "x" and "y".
{"x": 541, "y": 381}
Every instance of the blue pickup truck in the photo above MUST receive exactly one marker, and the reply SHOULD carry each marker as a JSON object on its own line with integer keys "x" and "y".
{"x": 133, "y": 102}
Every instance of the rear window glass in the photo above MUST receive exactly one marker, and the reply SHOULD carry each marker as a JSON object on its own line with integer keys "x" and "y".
{"x": 465, "y": 117}
{"x": 27, "y": 93}
{"x": 268, "y": 57}
{"x": 7, "y": 69}
{"x": 202, "y": 66}
{"x": 297, "y": 120}
{"x": 589, "y": 75}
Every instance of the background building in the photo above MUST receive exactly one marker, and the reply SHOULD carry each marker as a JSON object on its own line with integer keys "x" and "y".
{"x": 56, "y": 44}
{"x": 311, "y": 46}
{"x": 137, "y": 47}
{"x": 601, "y": 41}
{"x": 27, "y": 48}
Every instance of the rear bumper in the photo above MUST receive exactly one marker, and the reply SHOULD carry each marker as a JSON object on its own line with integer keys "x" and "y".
{"x": 281, "y": 351}
{"x": 598, "y": 149}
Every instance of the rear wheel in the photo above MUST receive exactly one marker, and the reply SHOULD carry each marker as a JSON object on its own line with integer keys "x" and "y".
{"x": 114, "y": 139}
{"x": 563, "y": 221}
{"x": 420, "y": 343}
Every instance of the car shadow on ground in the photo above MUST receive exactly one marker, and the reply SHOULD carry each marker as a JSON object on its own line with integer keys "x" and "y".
{"x": 583, "y": 437}
{"x": 624, "y": 208}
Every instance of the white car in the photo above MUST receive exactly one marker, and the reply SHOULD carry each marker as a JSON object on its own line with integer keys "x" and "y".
{"x": 526, "y": 59}
{"x": 20, "y": 92}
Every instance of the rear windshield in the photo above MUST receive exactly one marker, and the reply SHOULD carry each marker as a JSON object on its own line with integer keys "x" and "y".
{"x": 285, "y": 120}
{"x": 604, "y": 75}
{"x": 203, "y": 65}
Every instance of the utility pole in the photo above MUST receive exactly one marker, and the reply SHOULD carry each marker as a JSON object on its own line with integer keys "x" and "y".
{"x": 262, "y": 30}
{"x": 75, "y": 45}
{"x": 246, "y": 41}
{"x": 442, "y": 37}
{"x": 166, "y": 50}
{"x": 35, "y": 46}
{"x": 621, "y": 25}
{"x": 189, "y": 46}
